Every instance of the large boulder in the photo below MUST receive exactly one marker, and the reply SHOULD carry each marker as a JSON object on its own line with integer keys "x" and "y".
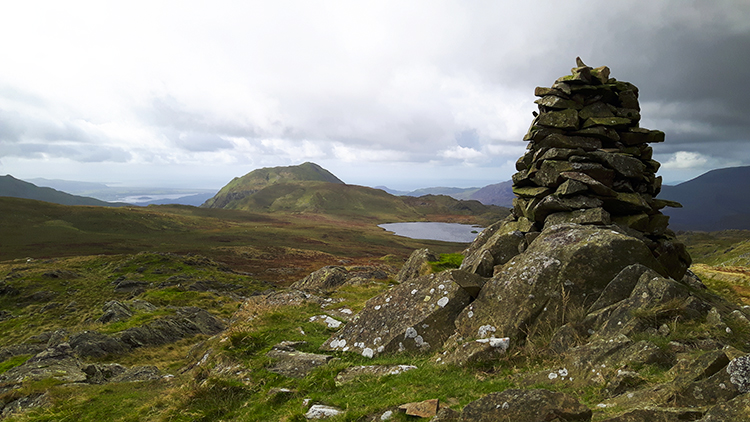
{"x": 565, "y": 269}
{"x": 416, "y": 315}
{"x": 326, "y": 278}
{"x": 497, "y": 247}
{"x": 416, "y": 265}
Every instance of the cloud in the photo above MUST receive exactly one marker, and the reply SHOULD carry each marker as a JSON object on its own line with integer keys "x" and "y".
{"x": 440, "y": 84}
{"x": 461, "y": 153}
{"x": 685, "y": 160}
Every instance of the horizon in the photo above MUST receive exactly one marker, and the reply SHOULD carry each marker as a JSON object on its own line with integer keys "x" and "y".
{"x": 115, "y": 185}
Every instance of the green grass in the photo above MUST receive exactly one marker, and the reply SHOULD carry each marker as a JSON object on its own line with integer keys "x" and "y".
{"x": 13, "y": 362}
{"x": 447, "y": 261}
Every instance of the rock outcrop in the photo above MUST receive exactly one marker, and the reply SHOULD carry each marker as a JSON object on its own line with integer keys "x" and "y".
{"x": 416, "y": 315}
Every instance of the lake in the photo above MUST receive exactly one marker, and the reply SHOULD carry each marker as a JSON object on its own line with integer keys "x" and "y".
{"x": 447, "y": 232}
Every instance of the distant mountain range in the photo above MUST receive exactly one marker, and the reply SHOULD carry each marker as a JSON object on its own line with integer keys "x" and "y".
{"x": 500, "y": 194}
{"x": 717, "y": 200}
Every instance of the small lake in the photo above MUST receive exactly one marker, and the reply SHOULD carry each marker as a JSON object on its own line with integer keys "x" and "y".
{"x": 447, "y": 232}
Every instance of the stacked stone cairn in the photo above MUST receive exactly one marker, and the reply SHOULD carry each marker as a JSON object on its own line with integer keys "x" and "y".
{"x": 589, "y": 162}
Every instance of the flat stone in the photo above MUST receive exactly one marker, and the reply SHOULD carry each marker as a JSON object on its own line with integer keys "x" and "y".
{"x": 602, "y": 133}
{"x": 531, "y": 191}
{"x": 596, "y": 216}
{"x": 638, "y": 136}
{"x": 295, "y": 364}
{"x": 597, "y": 109}
{"x": 559, "y": 153}
{"x": 596, "y": 186}
{"x": 626, "y": 203}
{"x": 556, "y": 140}
{"x": 555, "y": 102}
{"x": 319, "y": 411}
{"x": 570, "y": 188}
{"x": 543, "y": 91}
{"x": 422, "y": 409}
{"x": 552, "y": 204}
{"x": 550, "y": 173}
{"x": 629, "y": 113}
{"x": 613, "y": 122}
{"x": 657, "y": 224}
{"x": 526, "y": 405}
{"x": 623, "y": 164}
{"x": 564, "y": 119}
{"x": 634, "y": 221}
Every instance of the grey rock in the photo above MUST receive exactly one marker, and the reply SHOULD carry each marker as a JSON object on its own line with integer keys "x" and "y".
{"x": 416, "y": 315}
{"x": 114, "y": 311}
{"x": 416, "y": 265}
{"x": 567, "y": 266}
{"x": 96, "y": 344}
{"x": 526, "y": 406}
{"x": 292, "y": 363}
{"x": 739, "y": 373}
{"x": 188, "y": 321}
{"x": 326, "y": 278}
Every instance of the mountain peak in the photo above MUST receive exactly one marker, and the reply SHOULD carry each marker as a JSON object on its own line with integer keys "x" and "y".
{"x": 258, "y": 179}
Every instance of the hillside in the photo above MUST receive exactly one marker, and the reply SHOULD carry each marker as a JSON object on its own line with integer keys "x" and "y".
{"x": 241, "y": 187}
{"x": 717, "y": 200}
{"x": 500, "y": 194}
{"x": 308, "y": 188}
{"x": 14, "y": 188}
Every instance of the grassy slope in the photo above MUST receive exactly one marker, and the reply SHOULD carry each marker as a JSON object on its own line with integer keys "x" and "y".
{"x": 239, "y": 388}
{"x": 722, "y": 261}
{"x": 246, "y": 241}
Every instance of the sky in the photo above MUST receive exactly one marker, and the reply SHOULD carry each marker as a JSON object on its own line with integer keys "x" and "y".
{"x": 404, "y": 94}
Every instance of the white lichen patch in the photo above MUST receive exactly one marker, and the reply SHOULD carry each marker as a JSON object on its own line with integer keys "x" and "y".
{"x": 368, "y": 353}
{"x": 485, "y": 330}
{"x": 337, "y": 344}
{"x": 411, "y": 332}
{"x": 330, "y": 322}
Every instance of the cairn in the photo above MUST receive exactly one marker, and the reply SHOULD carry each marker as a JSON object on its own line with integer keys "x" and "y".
{"x": 589, "y": 162}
